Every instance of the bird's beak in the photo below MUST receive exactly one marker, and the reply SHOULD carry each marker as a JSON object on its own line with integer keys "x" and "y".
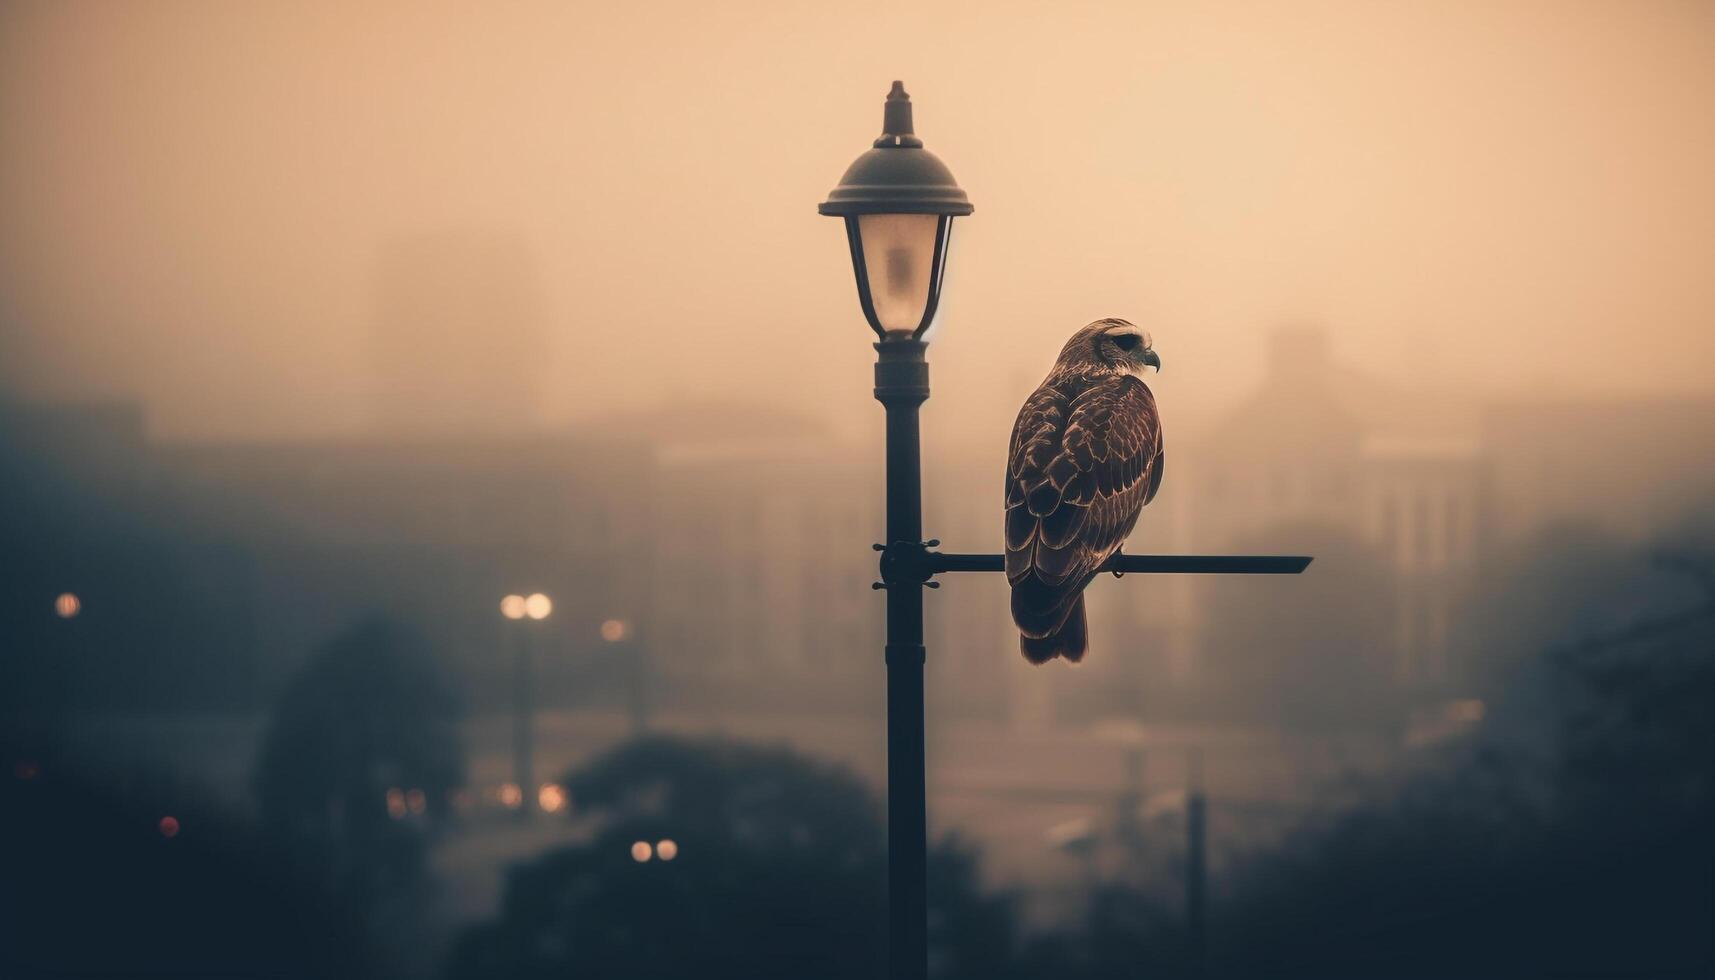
{"x": 1151, "y": 358}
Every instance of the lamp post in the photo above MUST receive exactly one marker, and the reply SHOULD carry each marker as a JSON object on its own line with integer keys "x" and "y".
{"x": 1196, "y": 863}
{"x": 898, "y": 202}
{"x": 518, "y": 608}
{"x": 617, "y": 634}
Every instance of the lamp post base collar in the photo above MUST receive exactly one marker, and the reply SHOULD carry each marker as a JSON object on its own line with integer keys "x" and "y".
{"x": 901, "y": 371}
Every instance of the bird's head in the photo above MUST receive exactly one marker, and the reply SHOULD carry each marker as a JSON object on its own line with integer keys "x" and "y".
{"x": 1109, "y": 346}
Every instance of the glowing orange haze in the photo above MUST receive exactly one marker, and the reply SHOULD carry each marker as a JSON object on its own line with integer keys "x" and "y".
{"x": 204, "y": 203}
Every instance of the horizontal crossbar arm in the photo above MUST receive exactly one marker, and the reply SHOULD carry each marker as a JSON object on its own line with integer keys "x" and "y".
{"x": 940, "y": 561}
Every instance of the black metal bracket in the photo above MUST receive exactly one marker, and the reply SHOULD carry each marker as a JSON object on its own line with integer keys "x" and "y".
{"x": 913, "y": 563}
{"x": 907, "y": 563}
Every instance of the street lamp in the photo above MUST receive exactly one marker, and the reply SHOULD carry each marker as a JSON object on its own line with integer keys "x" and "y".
{"x": 517, "y": 608}
{"x": 538, "y": 606}
{"x": 898, "y": 202}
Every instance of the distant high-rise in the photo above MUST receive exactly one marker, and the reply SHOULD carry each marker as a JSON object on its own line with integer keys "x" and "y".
{"x": 459, "y": 336}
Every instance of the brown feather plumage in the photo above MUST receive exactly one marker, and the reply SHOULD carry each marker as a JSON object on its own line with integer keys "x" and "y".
{"x": 1085, "y": 456}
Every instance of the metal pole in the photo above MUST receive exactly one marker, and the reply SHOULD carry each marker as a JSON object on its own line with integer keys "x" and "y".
{"x": 522, "y": 734}
{"x": 902, "y": 385}
{"x": 1196, "y": 864}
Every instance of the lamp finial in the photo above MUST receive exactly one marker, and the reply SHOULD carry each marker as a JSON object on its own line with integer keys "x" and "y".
{"x": 896, "y": 127}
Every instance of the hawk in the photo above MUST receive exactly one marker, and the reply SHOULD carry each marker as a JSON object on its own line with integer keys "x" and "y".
{"x": 1085, "y": 457}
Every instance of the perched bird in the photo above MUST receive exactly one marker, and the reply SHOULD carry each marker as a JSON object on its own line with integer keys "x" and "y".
{"x": 1085, "y": 458}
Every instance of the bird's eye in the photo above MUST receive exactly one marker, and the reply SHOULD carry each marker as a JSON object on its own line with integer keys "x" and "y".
{"x": 1127, "y": 341}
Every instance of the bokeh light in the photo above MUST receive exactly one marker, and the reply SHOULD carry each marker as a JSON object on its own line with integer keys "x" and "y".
{"x": 67, "y": 605}
{"x": 396, "y": 803}
{"x": 614, "y": 630}
{"x": 551, "y": 797}
{"x": 1467, "y": 710}
{"x": 641, "y": 851}
{"x": 512, "y": 607}
{"x": 169, "y": 826}
{"x": 666, "y": 850}
{"x": 416, "y": 801}
{"x": 510, "y": 795}
{"x": 538, "y": 606}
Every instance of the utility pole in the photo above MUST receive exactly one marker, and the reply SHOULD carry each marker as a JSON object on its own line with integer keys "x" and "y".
{"x": 1196, "y": 863}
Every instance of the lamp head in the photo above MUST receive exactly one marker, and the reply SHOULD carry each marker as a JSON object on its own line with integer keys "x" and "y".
{"x": 898, "y": 201}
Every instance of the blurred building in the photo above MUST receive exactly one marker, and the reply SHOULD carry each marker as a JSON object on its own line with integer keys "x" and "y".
{"x": 760, "y": 569}
{"x": 1320, "y": 448}
{"x": 732, "y": 540}
{"x": 1428, "y": 478}
{"x": 1423, "y": 505}
{"x": 433, "y": 532}
{"x": 208, "y": 572}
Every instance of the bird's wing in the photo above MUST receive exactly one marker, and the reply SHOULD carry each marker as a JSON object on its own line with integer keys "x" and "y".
{"x": 1082, "y": 464}
{"x": 1155, "y": 470}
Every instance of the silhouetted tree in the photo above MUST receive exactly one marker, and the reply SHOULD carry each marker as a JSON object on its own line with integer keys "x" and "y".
{"x": 779, "y": 871}
{"x": 1570, "y": 835}
{"x": 97, "y": 884}
{"x": 364, "y": 729}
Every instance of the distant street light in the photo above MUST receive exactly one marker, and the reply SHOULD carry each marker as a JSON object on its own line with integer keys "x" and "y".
{"x": 898, "y": 202}
{"x": 535, "y": 606}
{"x": 641, "y": 851}
{"x": 538, "y": 606}
{"x": 666, "y": 850}
{"x": 551, "y": 797}
{"x": 67, "y": 605}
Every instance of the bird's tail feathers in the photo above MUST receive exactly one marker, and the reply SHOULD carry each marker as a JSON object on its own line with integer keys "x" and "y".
{"x": 1069, "y": 640}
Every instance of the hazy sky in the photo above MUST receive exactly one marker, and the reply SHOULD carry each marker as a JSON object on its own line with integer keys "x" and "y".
{"x": 197, "y": 199}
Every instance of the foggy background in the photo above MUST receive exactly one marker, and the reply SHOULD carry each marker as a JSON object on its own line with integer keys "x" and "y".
{"x": 203, "y": 201}
{"x": 324, "y": 327}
